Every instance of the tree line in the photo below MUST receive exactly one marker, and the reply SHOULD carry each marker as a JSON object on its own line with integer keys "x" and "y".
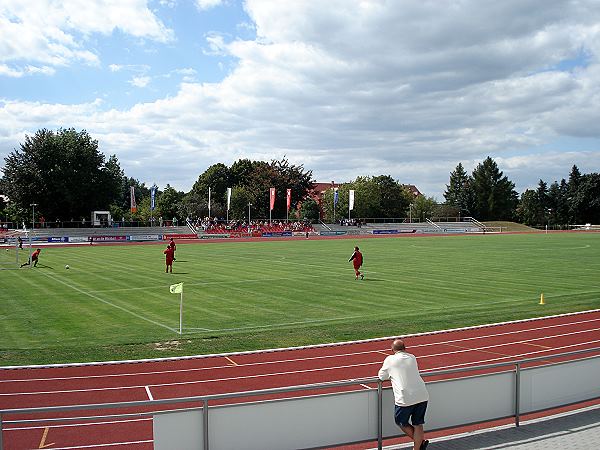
{"x": 64, "y": 173}
{"x": 487, "y": 194}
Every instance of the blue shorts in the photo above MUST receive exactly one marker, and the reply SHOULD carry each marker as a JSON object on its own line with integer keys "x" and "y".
{"x": 416, "y": 414}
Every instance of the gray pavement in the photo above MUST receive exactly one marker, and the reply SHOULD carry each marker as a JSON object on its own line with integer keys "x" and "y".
{"x": 575, "y": 430}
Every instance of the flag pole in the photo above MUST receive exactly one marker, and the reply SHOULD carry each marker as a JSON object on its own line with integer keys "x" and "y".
{"x": 181, "y": 312}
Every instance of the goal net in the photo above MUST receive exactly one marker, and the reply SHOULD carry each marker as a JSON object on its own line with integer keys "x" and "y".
{"x": 15, "y": 249}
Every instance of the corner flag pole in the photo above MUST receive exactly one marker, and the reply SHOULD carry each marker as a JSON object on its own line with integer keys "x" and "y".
{"x": 181, "y": 312}
{"x": 178, "y": 289}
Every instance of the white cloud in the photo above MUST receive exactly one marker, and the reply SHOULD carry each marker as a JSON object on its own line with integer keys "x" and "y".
{"x": 55, "y": 33}
{"x": 140, "y": 82}
{"x": 207, "y": 4}
{"x": 366, "y": 88}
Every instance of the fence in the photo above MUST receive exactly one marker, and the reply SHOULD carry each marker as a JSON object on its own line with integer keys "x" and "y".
{"x": 337, "y": 418}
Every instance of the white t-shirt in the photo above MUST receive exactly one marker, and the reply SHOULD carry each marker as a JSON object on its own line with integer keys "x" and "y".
{"x": 408, "y": 386}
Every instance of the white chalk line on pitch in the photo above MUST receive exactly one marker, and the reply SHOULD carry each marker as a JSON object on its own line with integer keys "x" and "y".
{"x": 311, "y": 358}
{"x": 95, "y": 297}
{"x": 319, "y": 369}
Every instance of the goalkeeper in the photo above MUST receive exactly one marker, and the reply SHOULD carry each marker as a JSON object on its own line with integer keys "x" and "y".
{"x": 33, "y": 259}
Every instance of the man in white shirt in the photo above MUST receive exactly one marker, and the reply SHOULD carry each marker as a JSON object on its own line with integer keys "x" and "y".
{"x": 410, "y": 393}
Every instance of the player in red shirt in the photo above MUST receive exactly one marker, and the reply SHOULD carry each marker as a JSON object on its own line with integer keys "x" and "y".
{"x": 357, "y": 261}
{"x": 169, "y": 258}
{"x": 34, "y": 258}
{"x": 173, "y": 247}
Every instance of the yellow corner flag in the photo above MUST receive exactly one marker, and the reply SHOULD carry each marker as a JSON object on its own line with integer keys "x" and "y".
{"x": 176, "y": 288}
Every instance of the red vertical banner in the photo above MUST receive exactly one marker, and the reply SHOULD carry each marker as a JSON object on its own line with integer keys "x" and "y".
{"x": 289, "y": 198}
{"x": 133, "y": 203}
{"x": 272, "y": 198}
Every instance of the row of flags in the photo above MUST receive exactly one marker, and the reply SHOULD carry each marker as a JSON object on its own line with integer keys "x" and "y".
{"x": 350, "y": 198}
{"x": 154, "y": 188}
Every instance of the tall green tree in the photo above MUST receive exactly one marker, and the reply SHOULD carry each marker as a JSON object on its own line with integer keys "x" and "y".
{"x": 527, "y": 210}
{"x": 63, "y": 172}
{"x": 495, "y": 195}
{"x": 587, "y": 199}
{"x": 459, "y": 191}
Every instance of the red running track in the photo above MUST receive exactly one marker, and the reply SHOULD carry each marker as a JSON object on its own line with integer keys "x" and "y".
{"x": 174, "y": 378}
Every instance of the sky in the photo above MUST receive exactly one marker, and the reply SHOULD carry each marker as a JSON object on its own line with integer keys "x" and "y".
{"x": 347, "y": 88}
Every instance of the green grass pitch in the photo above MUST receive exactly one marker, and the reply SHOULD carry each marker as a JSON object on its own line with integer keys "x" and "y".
{"x": 114, "y": 301}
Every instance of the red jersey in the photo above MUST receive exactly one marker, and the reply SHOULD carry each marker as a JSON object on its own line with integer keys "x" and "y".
{"x": 169, "y": 254}
{"x": 172, "y": 245}
{"x": 35, "y": 254}
{"x": 357, "y": 258}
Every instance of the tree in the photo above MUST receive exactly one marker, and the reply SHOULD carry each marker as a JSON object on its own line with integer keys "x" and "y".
{"x": 527, "y": 210}
{"x": 168, "y": 203}
{"x": 572, "y": 192}
{"x": 309, "y": 210}
{"x": 495, "y": 195}
{"x": 217, "y": 178}
{"x": 394, "y": 198}
{"x": 423, "y": 208}
{"x": 459, "y": 191}
{"x": 587, "y": 198}
{"x": 63, "y": 172}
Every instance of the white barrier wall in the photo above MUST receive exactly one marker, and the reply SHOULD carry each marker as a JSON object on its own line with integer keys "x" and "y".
{"x": 330, "y": 419}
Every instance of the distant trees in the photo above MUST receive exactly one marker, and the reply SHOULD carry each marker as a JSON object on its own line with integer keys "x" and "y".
{"x": 576, "y": 201}
{"x": 250, "y": 182}
{"x": 63, "y": 172}
{"x": 380, "y": 196}
{"x": 486, "y": 194}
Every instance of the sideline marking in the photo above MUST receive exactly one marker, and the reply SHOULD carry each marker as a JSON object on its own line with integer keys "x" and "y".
{"x": 149, "y": 393}
{"x": 319, "y": 346}
{"x": 43, "y": 441}
{"x": 95, "y": 297}
{"x": 337, "y": 355}
{"x": 231, "y": 361}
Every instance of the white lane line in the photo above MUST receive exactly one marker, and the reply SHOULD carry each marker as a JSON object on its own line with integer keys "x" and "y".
{"x": 292, "y": 372}
{"x": 110, "y": 444}
{"x": 82, "y": 424}
{"x": 310, "y": 347}
{"x": 339, "y": 355}
{"x": 95, "y": 297}
{"x": 149, "y": 393}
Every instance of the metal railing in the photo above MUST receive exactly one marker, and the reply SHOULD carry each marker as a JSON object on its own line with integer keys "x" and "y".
{"x": 514, "y": 366}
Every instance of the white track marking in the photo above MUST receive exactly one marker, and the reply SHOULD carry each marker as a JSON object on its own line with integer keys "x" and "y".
{"x": 318, "y": 369}
{"x": 311, "y": 358}
{"x": 95, "y": 297}
{"x": 149, "y": 393}
{"x": 314, "y": 346}
{"x": 111, "y": 444}
{"x": 82, "y": 424}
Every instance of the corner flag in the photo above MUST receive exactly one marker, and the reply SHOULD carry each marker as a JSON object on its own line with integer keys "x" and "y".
{"x": 176, "y": 288}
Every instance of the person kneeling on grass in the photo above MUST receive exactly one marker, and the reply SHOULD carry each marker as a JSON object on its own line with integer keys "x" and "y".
{"x": 34, "y": 258}
{"x": 410, "y": 393}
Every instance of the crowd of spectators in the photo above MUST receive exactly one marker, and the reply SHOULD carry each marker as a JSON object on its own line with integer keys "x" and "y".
{"x": 216, "y": 226}
{"x": 350, "y": 222}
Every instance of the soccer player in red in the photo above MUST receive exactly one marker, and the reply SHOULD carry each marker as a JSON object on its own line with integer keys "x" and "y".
{"x": 357, "y": 261}
{"x": 173, "y": 247}
{"x": 34, "y": 258}
{"x": 169, "y": 258}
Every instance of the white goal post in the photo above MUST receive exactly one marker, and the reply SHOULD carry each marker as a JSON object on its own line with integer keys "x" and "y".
{"x": 15, "y": 248}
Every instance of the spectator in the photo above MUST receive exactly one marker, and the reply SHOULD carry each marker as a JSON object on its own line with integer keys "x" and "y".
{"x": 410, "y": 393}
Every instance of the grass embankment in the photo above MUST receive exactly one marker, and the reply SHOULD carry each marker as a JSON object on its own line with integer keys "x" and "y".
{"x": 511, "y": 226}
